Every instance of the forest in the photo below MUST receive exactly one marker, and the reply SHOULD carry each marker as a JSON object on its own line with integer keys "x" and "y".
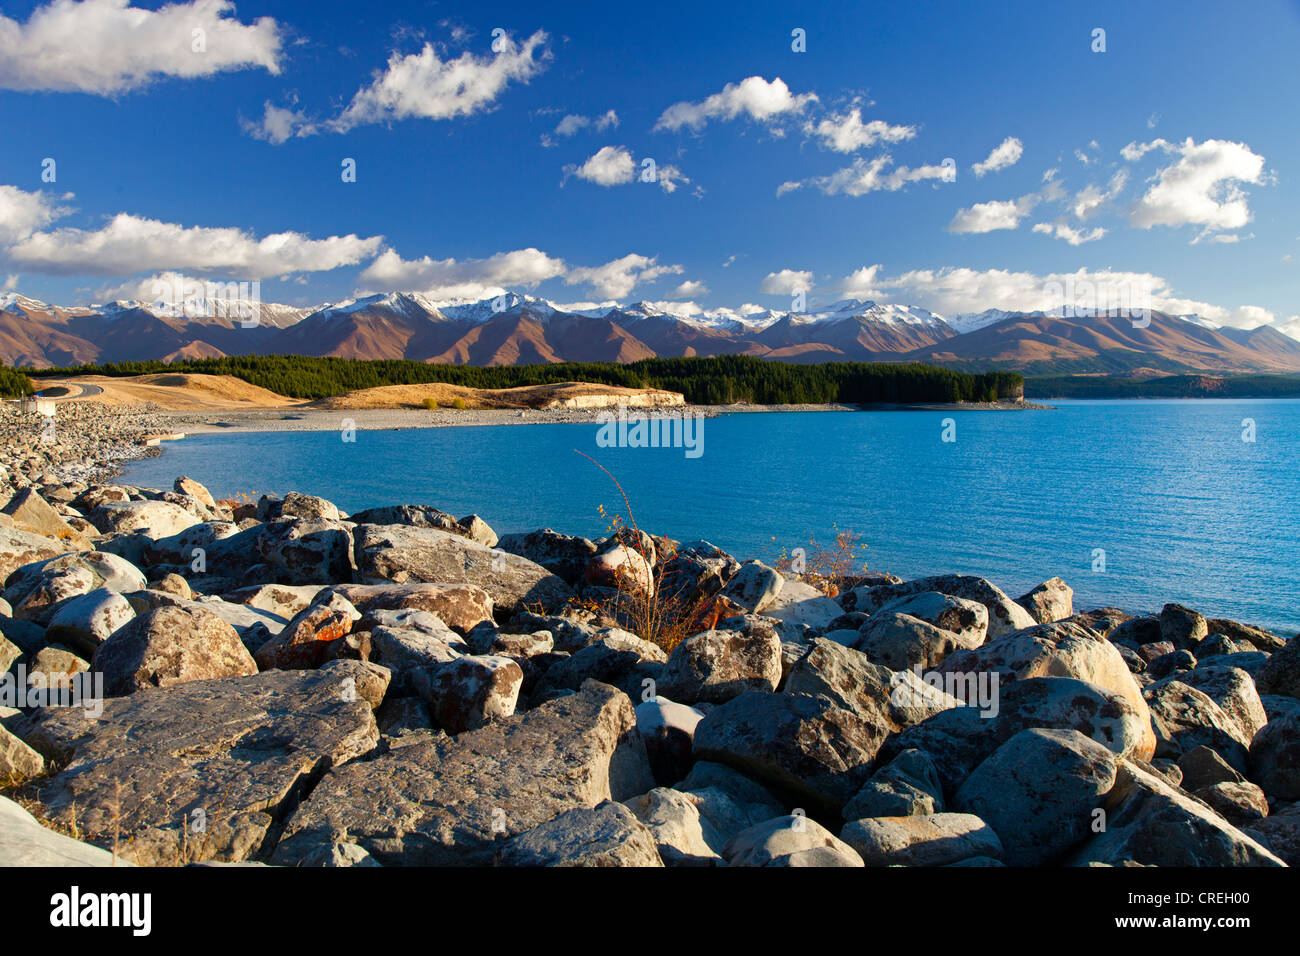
{"x": 723, "y": 380}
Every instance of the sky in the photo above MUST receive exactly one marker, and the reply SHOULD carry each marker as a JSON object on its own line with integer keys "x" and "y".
{"x": 952, "y": 155}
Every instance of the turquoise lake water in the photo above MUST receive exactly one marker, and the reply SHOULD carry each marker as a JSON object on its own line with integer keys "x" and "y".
{"x": 1183, "y": 508}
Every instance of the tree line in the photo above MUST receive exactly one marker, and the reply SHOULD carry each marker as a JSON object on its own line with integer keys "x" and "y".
{"x": 13, "y": 383}
{"x": 720, "y": 380}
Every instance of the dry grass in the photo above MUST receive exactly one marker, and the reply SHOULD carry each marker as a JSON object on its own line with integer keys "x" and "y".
{"x": 828, "y": 569}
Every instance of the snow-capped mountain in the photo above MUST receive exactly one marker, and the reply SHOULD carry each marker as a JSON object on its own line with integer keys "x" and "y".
{"x": 520, "y": 329}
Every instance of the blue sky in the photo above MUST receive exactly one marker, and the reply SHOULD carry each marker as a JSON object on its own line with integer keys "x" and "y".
{"x": 1175, "y": 152}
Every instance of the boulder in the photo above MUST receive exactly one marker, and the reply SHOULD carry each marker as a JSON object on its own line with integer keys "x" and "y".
{"x": 1150, "y": 823}
{"x": 625, "y": 567}
{"x": 462, "y": 607}
{"x": 902, "y": 642}
{"x": 967, "y": 621}
{"x": 673, "y": 820}
{"x": 606, "y": 835}
{"x": 1280, "y": 676}
{"x": 799, "y": 605}
{"x": 755, "y": 587}
{"x": 169, "y": 646}
{"x": 1185, "y": 718}
{"x": 1202, "y": 767}
{"x": 33, "y": 514}
{"x": 1233, "y": 690}
{"x": 792, "y": 840}
{"x": 1261, "y": 639}
{"x": 1182, "y": 626}
{"x": 616, "y": 657}
{"x": 806, "y": 748}
{"x": 405, "y": 555}
{"x": 1241, "y": 804}
{"x": 715, "y": 666}
{"x": 18, "y": 761}
{"x": 24, "y": 842}
{"x": 468, "y": 692}
{"x": 564, "y": 555}
{"x": 1005, "y": 615}
{"x": 907, "y": 786}
{"x": 188, "y": 486}
{"x": 1062, "y": 649}
{"x": 35, "y": 590}
{"x": 448, "y": 801}
{"x": 304, "y": 550}
{"x": 728, "y": 801}
{"x": 309, "y": 507}
{"x": 1038, "y": 792}
{"x": 240, "y": 749}
{"x": 304, "y": 642}
{"x": 668, "y": 729}
{"x": 1051, "y": 601}
{"x": 156, "y": 519}
{"x": 1275, "y": 758}
{"x": 936, "y": 839}
{"x": 86, "y": 621}
{"x": 1280, "y": 832}
{"x": 18, "y": 548}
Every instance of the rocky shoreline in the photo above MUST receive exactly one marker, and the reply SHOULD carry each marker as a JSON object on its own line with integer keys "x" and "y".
{"x": 192, "y": 681}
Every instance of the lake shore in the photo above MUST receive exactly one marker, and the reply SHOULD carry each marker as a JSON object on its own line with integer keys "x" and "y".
{"x": 368, "y": 419}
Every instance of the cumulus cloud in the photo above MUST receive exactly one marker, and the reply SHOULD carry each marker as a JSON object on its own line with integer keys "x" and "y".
{"x": 866, "y": 176}
{"x": 617, "y": 278}
{"x": 992, "y": 216}
{"x": 572, "y": 123}
{"x": 1007, "y": 153}
{"x": 106, "y": 47}
{"x": 609, "y": 166}
{"x": 1201, "y": 187}
{"x": 953, "y": 291}
{"x": 422, "y": 85}
{"x": 1075, "y": 237}
{"x": 22, "y": 213}
{"x": 688, "y": 289}
{"x": 131, "y": 244}
{"x": 615, "y": 166}
{"x": 465, "y": 278}
{"x": 1092, "y": 198}
{"x": 279, "y": 124}
{"x": 786, "y": 282}
{"x": 755, "y": 97}
{"x": 846, "y": 133}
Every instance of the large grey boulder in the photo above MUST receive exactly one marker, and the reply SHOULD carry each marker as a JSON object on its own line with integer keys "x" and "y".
{"x": 1152, "y": 823}
{"x": 170, "y": 646}
{"x": 902, "y": 642}
{"x": 17, "y": 760}
{"x": 406, "y": 555}
{"x": 906, "y": 786}
{"x": 1038, "y": 792}
{"x": 155, "y": 519}
{"x": 18, "y": 547}
{"x": 798, "y": 605}
{"x": 304, "y": 550}
{"x": 1280, "y": 675}
{"x": 448, "y": 801}
{"x": 792, "y": 840}
{"x": 1186, "y": 718}
{"x": 673, "y": 818}
{"x": 85, "y": 622}
{"x": 715, "y": 666}
{"x": 755, "y": 587}
{"x": 471, "y": 691}
{"x": 460, "y": 606}
{"x": 967, "y": 621}
{"x": 36, "y": 590}
{"x": 1275, "y": 758}
{"x": 564, "y": 555}
{"x": 1005, "y": 615}
{"x": 668, "y": 729}
{"x": 24, "y": 842}
{"x": 1051, "y": 601}
{"x": 606, "y": 835}
{"x": 804, "y": 747}
{"x": 937, "y": 839}
{"x": 224, "y": 758}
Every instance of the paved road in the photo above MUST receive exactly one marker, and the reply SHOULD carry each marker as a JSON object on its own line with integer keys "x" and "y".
{"x": 87, "y": 391}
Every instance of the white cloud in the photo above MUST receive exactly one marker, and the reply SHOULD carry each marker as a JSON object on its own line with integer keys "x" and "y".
{"x": 1135, "y": 151}
{"x": 107, "y": 46}
{"x": 11, "y": 283}
{"x": 688, "y": 289}
{"x": 1092, "y": 198}
{"x": 465, "y": 278}
{"x": 669, "y": 177}
{"x": 866, "y": 176}
{"x": 1075, "y": 237}
{"x": 786, "y": 282}
{"x": 279, "y": 124}
{"x": 1007, "y": 153}
{"x": 754, "y": 97}
{"x": 617, "y": 278}
{"x": 846, "y": 132}
{"x": 572, "y": 123}
{"x": 954, "y": 290}
{"x": 22, "y": 213}
{"x": 609, "y": 166}
{"x": 423, "y": 85}
{"x": 1201, "y": 187}
{"x": 992, "y": 216}
{"x": 131, "y": 244}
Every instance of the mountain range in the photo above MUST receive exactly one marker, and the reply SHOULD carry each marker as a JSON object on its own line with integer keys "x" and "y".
{"x": 518, "y": 330}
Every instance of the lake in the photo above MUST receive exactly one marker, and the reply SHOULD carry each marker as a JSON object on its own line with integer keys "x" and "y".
{"x": 1133, "y": 503}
